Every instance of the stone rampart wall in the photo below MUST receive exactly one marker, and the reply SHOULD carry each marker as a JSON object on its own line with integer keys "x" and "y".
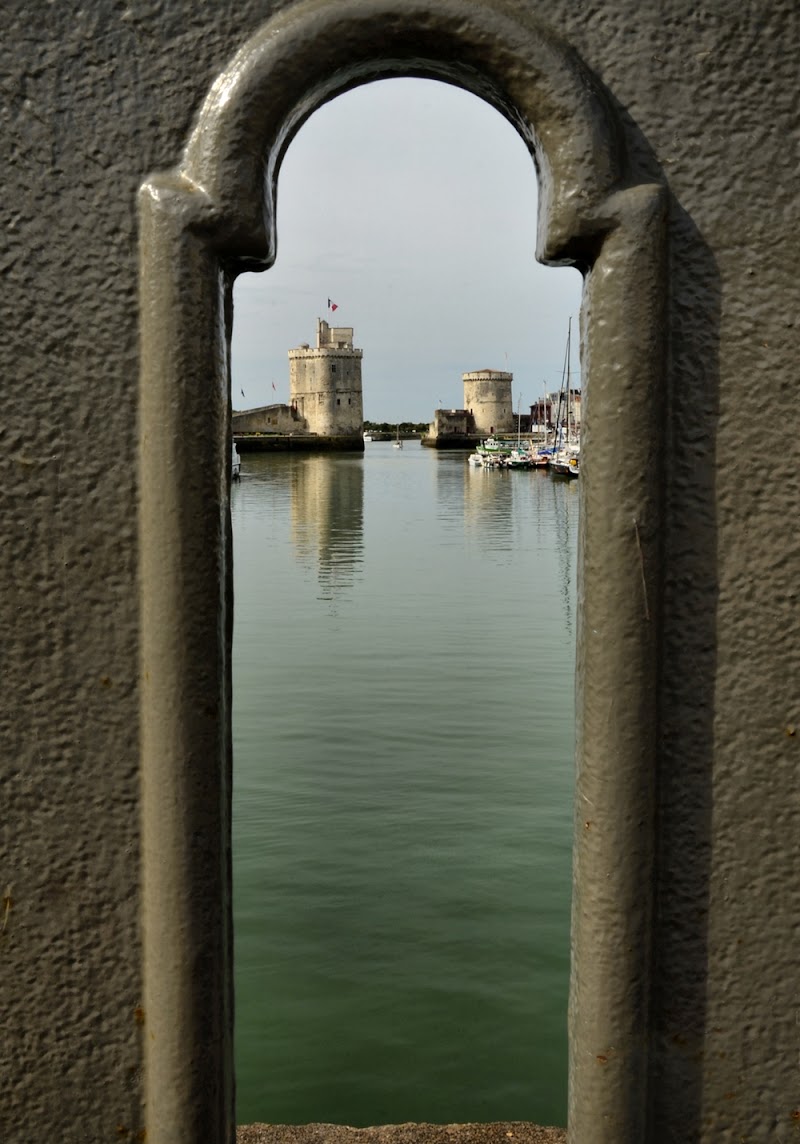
{"x": 268, "y": 419}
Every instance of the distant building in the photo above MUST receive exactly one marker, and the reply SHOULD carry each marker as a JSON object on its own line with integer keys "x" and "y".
{"x": 542, "y": 413}
{"x": 325, "y": 382}
{"x": 457, "y": 424}
{"x": 487, "y": 409}
{"x": 487, "y": 396}
{"x": 325, "y": 397}
{"x": 554, "y": 406}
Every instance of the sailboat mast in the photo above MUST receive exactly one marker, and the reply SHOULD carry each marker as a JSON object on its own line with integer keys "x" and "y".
{"x": 569, "y": 354}
{"x": 559, "y": 437}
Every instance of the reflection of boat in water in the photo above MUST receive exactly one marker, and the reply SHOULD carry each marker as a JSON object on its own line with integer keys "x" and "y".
{"x": 565, "y": 501}
{"x": 489, "y": 507}
{"x": 236, "y": 463}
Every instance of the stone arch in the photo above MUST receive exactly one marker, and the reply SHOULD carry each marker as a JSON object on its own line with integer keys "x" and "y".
{"x": 201, "y": 224}
{"x": 314, "y": 52}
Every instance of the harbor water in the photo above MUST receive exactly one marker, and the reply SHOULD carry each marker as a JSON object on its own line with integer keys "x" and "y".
{"x": 403, "y": 776}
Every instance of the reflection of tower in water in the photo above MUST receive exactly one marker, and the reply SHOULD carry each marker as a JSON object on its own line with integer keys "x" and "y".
{"x": 327, "y": 502}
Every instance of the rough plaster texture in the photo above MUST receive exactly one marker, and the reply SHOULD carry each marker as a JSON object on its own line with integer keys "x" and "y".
{"x": 97, "y": 97}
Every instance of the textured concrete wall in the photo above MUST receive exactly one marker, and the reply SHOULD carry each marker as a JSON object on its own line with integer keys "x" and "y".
{"x": 98, "y": 96}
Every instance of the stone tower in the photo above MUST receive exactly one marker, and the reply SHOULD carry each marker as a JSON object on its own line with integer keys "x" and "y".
{"x": 487, "y": 395}
{"x": 325, "y": 382}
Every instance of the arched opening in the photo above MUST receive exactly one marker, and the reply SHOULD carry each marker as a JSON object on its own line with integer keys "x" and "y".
{"x": 205, "y": 222}
{"x": 404, "y": 646}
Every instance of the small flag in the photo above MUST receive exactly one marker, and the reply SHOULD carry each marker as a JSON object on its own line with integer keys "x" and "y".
{"x": 332, "y": 305}
{"x": 273, "y": 385}
{"x": 242, "y": 392}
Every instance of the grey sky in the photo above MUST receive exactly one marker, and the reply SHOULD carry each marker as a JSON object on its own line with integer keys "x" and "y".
{"x": 412, "y": 205}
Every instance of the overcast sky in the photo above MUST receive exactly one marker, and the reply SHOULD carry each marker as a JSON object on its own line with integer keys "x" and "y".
{"x": 412, "y": 205}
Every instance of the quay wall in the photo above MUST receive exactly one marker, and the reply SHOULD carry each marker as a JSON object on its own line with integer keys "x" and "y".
{"x": 452, "y": 440}
{"x": 298, "y": 443}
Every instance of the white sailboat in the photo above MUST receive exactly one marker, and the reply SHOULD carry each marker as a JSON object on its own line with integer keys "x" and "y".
{"x": 397, "y": 443}
{"x": 566, "y": 459}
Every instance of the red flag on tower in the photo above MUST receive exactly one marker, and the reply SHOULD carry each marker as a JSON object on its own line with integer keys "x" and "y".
{"x": 332, "y": 305}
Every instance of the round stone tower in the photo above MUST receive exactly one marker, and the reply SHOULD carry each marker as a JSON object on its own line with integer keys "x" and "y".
{"x": 325, "y": 383}
{"x": 487, "y": 396}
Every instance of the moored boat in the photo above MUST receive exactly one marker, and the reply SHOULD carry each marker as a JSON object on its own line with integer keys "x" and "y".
{"x": 567, "y": 463}
{"x": 541, "y": 457}
{"x": 519, "y": 459}
{"x": 565, "y": 459}
{"x": 497, "y": 446}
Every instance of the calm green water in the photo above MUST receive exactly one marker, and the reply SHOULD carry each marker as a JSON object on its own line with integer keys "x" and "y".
{"x": 403, "y": 722}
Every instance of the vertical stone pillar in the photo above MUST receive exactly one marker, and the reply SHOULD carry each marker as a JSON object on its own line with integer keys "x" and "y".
{"x": 623, "y": 330}
{"x": 186, "y": 609}
{"x": 221, "y": 202}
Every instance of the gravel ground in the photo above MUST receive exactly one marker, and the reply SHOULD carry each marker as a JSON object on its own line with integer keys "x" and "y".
{"x": 508, "y": 1133}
